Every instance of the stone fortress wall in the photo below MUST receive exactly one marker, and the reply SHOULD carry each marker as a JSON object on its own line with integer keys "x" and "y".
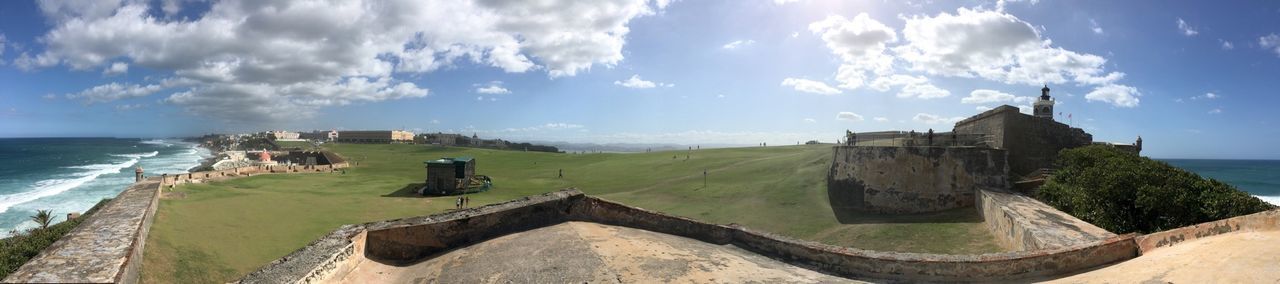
{"x": 414, "y": 239}
{"x": 1032, "y": 142}
{"x": 912, "y": 179}
{"x": 107, "y": 247}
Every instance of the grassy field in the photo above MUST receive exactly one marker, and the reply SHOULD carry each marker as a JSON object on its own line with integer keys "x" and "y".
{"x": 218, "y": 232}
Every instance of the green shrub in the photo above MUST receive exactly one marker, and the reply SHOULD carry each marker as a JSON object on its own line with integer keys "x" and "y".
{"x": 19, "y": 248}
{"x": 1123, "y": 192}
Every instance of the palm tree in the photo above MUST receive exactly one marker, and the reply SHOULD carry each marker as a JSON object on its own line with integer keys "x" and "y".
{"x": 43, "y": 217}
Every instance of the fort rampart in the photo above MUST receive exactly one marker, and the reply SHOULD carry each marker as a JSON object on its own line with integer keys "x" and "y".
{"x": 912, "y": 179}
{"x": 1263, "y": 221}
{"x": 414, "y": 239}
{"x": 108, "y": 246}
{"x": 1025, "y": 224}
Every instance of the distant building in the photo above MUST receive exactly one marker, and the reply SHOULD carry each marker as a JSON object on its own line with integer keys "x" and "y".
{"x": 375, "y": 136}
{"x": 320, "y": 135}
{"x": 449, "y": 175}
{"x": 283, "y": 135}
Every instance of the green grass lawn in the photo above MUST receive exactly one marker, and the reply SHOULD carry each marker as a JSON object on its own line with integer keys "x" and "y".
{"x": 218, "y": 232}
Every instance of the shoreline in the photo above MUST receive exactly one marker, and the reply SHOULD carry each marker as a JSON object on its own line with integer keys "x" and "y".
{"x": 206, "y": 164}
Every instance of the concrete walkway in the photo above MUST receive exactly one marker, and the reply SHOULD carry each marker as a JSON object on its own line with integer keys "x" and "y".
{"x": 1240, "y": 257}
{"x": 577, "y": 252}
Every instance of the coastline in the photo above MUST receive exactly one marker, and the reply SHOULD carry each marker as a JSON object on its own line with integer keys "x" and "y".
{"x": 206, "y": 164}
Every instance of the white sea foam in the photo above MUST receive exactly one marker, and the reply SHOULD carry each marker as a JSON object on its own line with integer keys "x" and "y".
{"x": 1274, "y": 200}
{"x": 157, "y": 142}
{"x": 51, "y": 187}
{"x": 138, "y": 155}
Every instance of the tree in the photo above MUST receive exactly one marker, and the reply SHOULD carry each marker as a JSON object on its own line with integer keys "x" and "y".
{"x": 43, "y": 217}
{"x": 1123, "y": 192}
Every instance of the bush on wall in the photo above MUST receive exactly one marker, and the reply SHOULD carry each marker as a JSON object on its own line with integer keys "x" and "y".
{"x": 1123, "y": 192}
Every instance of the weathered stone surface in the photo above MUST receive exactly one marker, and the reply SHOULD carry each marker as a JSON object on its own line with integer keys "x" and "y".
{"x": 911, "y": 179}
{"x": 106, "y": 248}
{"x": 1032, "y": 142}
{"x": 1022, "y": 223}
{"x": 329, "y": 260}
{"x": 1261, "y": 221}
{"x": 582, "y": 252}
{"x": 1236, "y": 257}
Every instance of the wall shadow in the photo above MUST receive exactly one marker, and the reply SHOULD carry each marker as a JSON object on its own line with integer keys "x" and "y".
{"x": 957, "y": 215}
{"x": 409, "y": 190}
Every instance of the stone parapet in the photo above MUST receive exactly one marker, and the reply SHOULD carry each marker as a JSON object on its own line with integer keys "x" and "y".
{"x": 414, "y": 239}
{"x": 106, "y": 248}
{"x": 1025, "y": 224}
{"x": 1261, "y": 221}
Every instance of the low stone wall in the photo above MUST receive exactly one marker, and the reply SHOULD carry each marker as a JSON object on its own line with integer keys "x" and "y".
{"x": 106, "y": 248}
{"x": 197, "y": 177}
{"x": 911, "y": 179}
{"x": 413, "y": 239}
{"x": 1025, "y": 224}
{"x": 1261, "y": 221}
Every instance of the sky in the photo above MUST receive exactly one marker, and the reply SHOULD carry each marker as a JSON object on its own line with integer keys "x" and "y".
{"x": 1195, "y": 79}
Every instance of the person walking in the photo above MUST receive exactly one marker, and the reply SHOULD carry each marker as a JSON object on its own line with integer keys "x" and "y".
{"x": 561, "y": 174}
{"x": 457, "y": 203}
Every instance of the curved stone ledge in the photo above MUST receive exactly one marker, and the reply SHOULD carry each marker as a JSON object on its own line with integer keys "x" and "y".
{"x": 1261, "y": 221}
{"x": 410, "y": 240}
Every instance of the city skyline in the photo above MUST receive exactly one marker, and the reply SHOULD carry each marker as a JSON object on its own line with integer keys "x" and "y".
{"x": 1193, "y": 79}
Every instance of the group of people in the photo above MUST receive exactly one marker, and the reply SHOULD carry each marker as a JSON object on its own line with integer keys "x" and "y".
{"x": 461, "y": 202}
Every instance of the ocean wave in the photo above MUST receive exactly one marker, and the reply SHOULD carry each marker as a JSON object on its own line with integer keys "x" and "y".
{"x": 157, "y": 142}
{"x": 1274, "y": 200}
{"x": 51, "y": 187}
{"x": 138, "y": 155}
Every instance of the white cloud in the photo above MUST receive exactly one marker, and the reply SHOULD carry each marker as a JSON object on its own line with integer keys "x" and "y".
{"x": 912, "y": 86}
{"x": 492, "y": 88}
{"x": 848, "y": 116}
{"x": 116, "y": 68}
{"x": 636, "y": 83}
{"x": 810, "y": 86}
{"x": 982, "y": 108}
{"x": 1227, "y": 45}
{"x": 1117, "y": 95}
{"x": 934, "y": 119}
{"x": 1186, "y": 29}
{"x": 784, "y": 2}
{"x": 1271, "y": 41}
{"x": 545, "y": 127}
{"x": 1207, "y": 96}
{"x": 113, "y": 91}
{"x": 795, "y": 34}
{"x": 274, "y": 53}
{"x": 1215, "y": 111}
{"x": 995, "y": 46}
{"x": 720, "y": 96}
{"x": 810, "y": 120}
{"x": 1093, "y": 25}
{"x": 129, "y": 107}
{"x": 881, "y": 119}
{"x": 983, "y": 96}
{"x": 860, "y": 43}
{"x": 2, "y": 44}
{"x": 737, "y": 44}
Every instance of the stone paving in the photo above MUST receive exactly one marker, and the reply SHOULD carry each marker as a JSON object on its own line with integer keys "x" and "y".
{"x": 100, "y": 250}
{"x": 578, "y": 252}
{"x": 1239, "y": 257}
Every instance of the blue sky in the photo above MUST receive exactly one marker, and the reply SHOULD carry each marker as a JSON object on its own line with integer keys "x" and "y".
{"x": 1194, "y": 79}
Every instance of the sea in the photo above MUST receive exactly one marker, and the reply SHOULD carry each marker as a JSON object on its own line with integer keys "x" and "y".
{"x": 72, "y": 174}
{"x": 1258, "y": 177}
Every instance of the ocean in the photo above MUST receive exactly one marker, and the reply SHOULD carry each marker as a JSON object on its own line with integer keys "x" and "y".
{"x": 72, "y": 174}
{"x": 1258, "y": 177}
